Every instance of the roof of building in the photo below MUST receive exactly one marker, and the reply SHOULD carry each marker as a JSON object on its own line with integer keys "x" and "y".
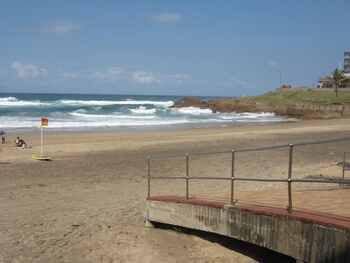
{"x": 326, "y": 79}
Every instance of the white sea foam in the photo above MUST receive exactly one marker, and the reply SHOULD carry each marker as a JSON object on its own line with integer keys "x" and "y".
{"x": 8, "y": 99}
{"x": 109, "y": 117}
{"x": 13, "y": 102}
{"x": 258, "y": 114}
{"x": 119, "y": 102}
{"x": 143, "y": 110}
{"x": 192, "y": 110}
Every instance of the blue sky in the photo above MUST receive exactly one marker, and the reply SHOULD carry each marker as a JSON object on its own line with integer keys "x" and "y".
{"x": 163, "y": 47}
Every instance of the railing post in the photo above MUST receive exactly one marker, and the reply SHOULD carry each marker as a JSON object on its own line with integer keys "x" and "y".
{"x": 344, "y": 166}
{"x": 149, "y": 177}
{"x": 187, "y": 177}
{"x": 290, "y": 208}
{"x": 232, "y": 177}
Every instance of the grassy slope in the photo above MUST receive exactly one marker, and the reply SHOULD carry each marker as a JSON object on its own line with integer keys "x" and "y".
{"x": 301, "y": 96}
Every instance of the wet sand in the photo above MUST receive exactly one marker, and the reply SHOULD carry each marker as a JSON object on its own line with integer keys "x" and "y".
{"x": 85, "y": 205}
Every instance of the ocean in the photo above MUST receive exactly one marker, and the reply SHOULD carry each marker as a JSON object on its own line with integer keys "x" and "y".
{"x": 86, "y": 112}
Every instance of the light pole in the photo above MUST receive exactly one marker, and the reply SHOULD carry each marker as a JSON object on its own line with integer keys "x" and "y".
{"x": 280, "y": 78}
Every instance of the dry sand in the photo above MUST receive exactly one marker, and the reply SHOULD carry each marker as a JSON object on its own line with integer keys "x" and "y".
{"x": 85, "y": 205}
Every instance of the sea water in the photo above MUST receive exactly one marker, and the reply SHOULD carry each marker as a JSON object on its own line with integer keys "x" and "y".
{"x": 79, "y": 112}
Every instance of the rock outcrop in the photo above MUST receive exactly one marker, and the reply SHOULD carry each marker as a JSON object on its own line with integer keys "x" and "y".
{"x": 191, "y": 102}
{"x": 239, "y": 105}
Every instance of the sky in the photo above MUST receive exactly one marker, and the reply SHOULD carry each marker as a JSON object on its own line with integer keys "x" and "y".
{"x": 169, "y": 47}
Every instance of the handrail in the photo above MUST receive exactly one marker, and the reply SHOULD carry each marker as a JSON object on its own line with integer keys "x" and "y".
{"x": 344, "y": 168}
{"x": 253, "y": 149}
{"x": 289, "y": 180}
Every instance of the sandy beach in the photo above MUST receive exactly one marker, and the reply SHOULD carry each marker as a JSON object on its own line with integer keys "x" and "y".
{"x": 85, "y": 205}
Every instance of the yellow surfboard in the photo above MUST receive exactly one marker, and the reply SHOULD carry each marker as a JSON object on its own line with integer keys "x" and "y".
{"x": 41, "y": 157}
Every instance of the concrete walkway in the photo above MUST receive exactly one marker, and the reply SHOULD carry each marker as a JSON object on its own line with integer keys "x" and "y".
{"x": 329, "y": 205}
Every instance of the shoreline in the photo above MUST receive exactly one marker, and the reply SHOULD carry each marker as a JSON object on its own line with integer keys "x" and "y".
{"x": 109, "y": 140}
{"x": 182, "y": 126}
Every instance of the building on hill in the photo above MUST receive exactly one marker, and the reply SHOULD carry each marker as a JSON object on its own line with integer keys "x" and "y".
{"x": 347, "y": 61}
{"x": 325, "y": 82}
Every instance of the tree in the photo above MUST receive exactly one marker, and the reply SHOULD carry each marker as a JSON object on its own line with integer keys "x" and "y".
{"x": 337, "y": 77}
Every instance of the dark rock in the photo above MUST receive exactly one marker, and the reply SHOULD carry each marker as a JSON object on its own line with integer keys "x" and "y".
{"x": 238, "y": 105}
{"x": 190, "y": 102}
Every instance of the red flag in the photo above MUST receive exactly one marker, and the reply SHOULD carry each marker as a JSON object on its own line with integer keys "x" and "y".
{"x": 44, "y": 122}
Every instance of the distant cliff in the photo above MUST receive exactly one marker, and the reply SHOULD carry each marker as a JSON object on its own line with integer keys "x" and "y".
{"x": 239, "y": 105}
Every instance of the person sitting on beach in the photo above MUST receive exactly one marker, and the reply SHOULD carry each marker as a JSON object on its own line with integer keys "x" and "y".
{"x": 20, "y": 143}
{"x": 17, "y": 141}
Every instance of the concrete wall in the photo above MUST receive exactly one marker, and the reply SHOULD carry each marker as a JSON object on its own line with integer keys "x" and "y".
{"x": 313, "y": 89}
{"x": 304, "y": 241}
{"x": 309, "y": 111}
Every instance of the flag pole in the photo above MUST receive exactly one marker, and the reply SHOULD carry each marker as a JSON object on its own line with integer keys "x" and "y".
{"x": 44, "y": 122}
{"x": 41, "y": 138}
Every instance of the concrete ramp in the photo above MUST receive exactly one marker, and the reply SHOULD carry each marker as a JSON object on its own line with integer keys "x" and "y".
{"x": 307, "y": 236}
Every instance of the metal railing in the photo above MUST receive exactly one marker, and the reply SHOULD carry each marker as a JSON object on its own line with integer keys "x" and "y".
{"x": 289, "y": 180}
{"x": 345, "y": 168}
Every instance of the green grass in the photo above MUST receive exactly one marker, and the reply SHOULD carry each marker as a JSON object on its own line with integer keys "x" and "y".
{"x": 302, "y": 96}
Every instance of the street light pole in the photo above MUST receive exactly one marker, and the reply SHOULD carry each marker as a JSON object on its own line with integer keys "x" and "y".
{"x": 280, "y": 78}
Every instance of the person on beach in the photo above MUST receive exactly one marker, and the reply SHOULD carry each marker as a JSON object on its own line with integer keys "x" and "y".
{"x": 3, "y": 136}
{"x": 20, "y": 143}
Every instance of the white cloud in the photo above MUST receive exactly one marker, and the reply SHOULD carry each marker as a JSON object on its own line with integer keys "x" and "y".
{"x": 56, "y": 27}
{"x": 166, "y": 18}
{"x": 110, "y": 73}
{"x": 273, "y": 64}
{"x": 114, "y": 71}
{"x": 238, "y": 81}
{"x": 27, "y": 70}
{"x": 176, "y": 78}
{"x": 101, "y": 75}
{"x": 144, "y": 77}
{"x": 69, "y": 75}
